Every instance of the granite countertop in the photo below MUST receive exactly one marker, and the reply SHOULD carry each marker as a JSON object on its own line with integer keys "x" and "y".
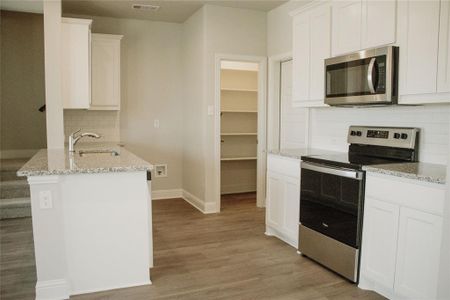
{"x": 60, "y": 162}
{"x": 299, "y": 152}
{"x": 433, "y": 173}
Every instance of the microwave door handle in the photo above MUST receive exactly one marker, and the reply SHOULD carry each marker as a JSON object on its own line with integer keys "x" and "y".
{"x": 369, "y": 75}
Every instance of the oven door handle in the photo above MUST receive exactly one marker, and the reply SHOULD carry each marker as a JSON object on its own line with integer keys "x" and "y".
{"x": 342, "y": 172}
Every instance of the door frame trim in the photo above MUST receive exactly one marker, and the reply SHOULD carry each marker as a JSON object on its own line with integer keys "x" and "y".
{"x": 273, "y": 99}
{"x": 261, "y": 148}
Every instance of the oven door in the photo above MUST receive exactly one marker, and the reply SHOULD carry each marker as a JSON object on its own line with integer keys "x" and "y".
{"x": 331, "y": 202}
{"x": 365, "y": 77}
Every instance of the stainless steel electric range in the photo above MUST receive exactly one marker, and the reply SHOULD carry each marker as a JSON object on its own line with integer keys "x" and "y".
{"x": 332, "y": 194}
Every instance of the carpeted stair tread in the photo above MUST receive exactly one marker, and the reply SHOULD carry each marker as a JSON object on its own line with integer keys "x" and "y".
{"x": 14, "y": 189}
{"x": 12, "y": 164}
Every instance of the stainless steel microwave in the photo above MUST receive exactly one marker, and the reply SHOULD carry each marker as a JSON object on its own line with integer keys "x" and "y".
{"x": 367, "y": 77}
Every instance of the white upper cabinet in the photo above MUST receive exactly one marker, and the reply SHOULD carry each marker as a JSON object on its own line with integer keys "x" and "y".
{"x": 300, "y": 60}
{"x": 320, "y": 49}
{"x": 75, "y": 67}
{"x": 418, "y": 38}
{"x": 346, "y": 26}
{"x": 105, "y": 72}
{"x": 311, "y": 46}
{"x": 443, "y": 85}
{"x": 378, "y": 23}
{"x": 362, "y": 24}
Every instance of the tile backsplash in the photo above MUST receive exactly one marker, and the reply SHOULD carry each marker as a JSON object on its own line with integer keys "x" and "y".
{"x": 105, "y": 123}
{"x": 329, "y": 126}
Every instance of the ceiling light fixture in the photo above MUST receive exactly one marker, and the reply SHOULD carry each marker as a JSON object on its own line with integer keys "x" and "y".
{"x": 146, "y": 7}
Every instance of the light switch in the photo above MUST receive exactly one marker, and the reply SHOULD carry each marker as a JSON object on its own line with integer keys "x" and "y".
{"x": 156, "y": 123}
{"x": 45, "y": 200}
{"x": 210, "y": 110}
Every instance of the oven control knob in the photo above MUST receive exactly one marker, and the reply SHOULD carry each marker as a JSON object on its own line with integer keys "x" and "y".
{"x": 358, "y": 133}
{"x": 396, "y": 135}
{"x": 404, "y": 136}
{"x": 353, "y": 133}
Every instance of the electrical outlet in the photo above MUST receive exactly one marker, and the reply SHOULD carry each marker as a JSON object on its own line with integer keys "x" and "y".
{"x": 161, "y": 170}
{"x": 45, "y": 200}
{"x": 156, "y": 123}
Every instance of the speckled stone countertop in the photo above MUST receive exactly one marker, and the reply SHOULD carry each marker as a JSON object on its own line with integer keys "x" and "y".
{"x": 299, "y": 152}
{"x": 420, "y": 171}
{"x": 60, "y": 162}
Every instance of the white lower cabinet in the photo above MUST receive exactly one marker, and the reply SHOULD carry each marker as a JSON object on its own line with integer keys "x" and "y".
{"x": 380, "y": 245}
{"x": 419, "y": 245}
{"x": 283, "y": 199}
{"x": 401, "y": 237}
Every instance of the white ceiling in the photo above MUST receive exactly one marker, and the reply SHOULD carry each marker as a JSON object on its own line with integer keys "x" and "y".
{"x": 170, "y": 10}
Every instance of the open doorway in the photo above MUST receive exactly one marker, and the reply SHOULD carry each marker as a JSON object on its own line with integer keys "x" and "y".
{"x": 287, "y": 124}
{"x": 238, "y": 130}
{"x": 22, "y": 110}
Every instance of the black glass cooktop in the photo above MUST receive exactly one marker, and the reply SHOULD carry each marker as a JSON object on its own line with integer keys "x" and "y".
{"x": 364, "y": 155}
{"x": 348, "y": 160}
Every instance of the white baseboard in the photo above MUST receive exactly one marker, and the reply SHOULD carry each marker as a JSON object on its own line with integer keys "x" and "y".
{"x": 110, "y": 288}
{"x": 194, "y": 201}
{"x": 167, "y": 194}
{"x": 210, "y": 208}
{"x": 206, "y": 208}
{"x": 237, "y": 188}
{"x": 284, "y": 236}
{"x": 52, "y": 289}
{"x": 18, "y": 153}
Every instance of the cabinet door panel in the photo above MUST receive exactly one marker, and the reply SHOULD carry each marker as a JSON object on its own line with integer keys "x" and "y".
{"x": 292, "y": 208}
{"x": 418, "y": 254}
{"x": 320, "y": 49}
{"x": 379, "y": 242}
{"x": 378, "y": 23}
{"x": 418, "y": 29}
{"x": 300, "y": 59}
{"x": 444, "y": 49}
{"x": 346, "y": 26}
{"x": 105, "y": 73}
{"x": 76, "y": 65}
{"x": 275, "y": 200}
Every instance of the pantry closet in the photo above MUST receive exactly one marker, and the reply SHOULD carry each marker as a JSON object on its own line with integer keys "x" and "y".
{"x": 239, "y": 126}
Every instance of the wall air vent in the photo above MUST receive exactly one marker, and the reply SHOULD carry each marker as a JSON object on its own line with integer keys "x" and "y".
{"x": 145, "y": 7}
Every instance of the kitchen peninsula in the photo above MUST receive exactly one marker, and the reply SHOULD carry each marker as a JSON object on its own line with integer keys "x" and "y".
{"x": 92, "y": 219}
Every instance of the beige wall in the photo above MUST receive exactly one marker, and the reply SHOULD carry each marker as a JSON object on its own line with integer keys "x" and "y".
{"x": 22, "y": 81}
{"x": 194, "y": 110}
{"x": 279, "y": 27}
{"x": 228, "y": 31}
{"x": 151, "y": 89}
{"x": 211, "y": 30}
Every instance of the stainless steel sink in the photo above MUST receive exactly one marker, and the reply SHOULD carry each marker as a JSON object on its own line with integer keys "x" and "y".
{"x": 84, "y": 153}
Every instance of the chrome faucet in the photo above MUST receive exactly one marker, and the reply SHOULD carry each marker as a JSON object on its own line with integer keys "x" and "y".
{"x": 73, "y": 139}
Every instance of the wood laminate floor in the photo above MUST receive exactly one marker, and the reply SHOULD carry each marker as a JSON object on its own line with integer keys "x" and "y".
{"x": 218, "y": 256}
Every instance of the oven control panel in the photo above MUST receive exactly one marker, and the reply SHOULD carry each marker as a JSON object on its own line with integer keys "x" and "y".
{"x": 400, "y": 137}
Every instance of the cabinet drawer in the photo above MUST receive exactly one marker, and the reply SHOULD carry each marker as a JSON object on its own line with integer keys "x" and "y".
{"x": 426, "y": 197}
{"x": 283, "y": 165}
